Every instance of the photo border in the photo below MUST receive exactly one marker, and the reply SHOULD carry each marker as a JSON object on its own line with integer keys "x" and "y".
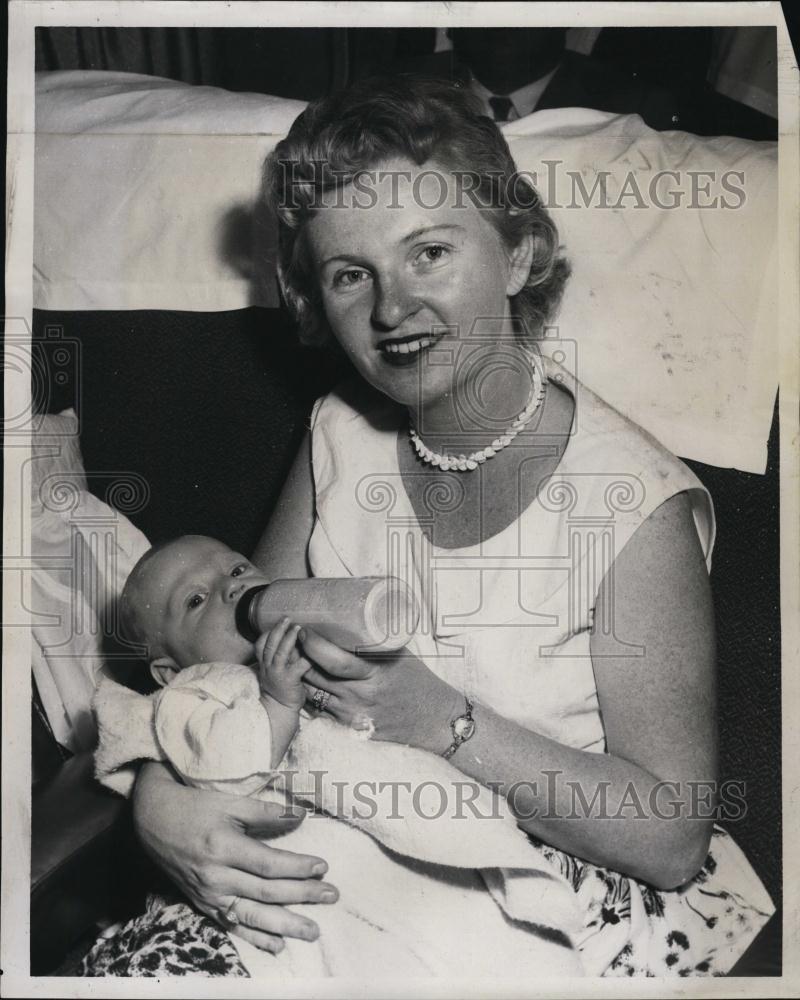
{"x": 24, "y": 17}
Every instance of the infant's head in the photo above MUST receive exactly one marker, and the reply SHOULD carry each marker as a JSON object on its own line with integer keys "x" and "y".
{"x": 180, "y": 603}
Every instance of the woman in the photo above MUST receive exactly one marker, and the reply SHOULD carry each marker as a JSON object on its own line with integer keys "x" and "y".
{"x": 558, "y": 551}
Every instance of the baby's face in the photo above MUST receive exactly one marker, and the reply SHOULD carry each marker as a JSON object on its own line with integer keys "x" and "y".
{"x": 186, "y": 601}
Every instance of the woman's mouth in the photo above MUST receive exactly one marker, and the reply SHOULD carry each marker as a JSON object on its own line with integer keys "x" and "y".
{"x": 406, "y": 350}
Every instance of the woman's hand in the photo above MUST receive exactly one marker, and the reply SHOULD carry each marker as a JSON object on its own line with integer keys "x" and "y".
{"x": 205, "y": 841}
{"x": 397, "y": 693}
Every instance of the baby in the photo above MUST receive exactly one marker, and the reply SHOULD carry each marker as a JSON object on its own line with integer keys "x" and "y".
{"x": 229, "y": 717}
{"x": 179, "y": 602}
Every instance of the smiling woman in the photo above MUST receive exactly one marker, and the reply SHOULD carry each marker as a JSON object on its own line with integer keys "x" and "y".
{"x": 438, "y": 300}
{"x": 412, "y": 279}
{"x": 338, "y": 155}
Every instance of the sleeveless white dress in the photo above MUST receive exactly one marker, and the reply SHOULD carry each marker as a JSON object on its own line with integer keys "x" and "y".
{"x": 507, "y": 621}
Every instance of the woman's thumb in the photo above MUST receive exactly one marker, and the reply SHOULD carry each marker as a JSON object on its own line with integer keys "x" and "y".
{"x": 332, "y": 658}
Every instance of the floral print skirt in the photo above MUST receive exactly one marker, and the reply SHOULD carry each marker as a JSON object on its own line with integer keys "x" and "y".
{"x": 700, "y": 929}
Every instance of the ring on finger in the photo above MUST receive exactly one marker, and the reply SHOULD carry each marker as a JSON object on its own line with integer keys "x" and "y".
{"x": 229, "y": 916}
{"x": 320, "y": 699}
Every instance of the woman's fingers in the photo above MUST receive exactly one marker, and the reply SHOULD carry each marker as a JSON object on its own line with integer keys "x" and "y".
{"x": 238, "y": 847}
{"x": 206, "y": 843}
{"x": 326, "y": 705}
{"x": 282, "y": 891}
{"x": 271, "y": 863}
{"x": 266, "y": 942}
{"x": 317, "y": 679}
{"x": 273, "y": 920}
{"x": 345, "y": 704}
{"x": 244, "y": 853}
{"x": 333, "y": 658}
{"x": 341, "y": 710}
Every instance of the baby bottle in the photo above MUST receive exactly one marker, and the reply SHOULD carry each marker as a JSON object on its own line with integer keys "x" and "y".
{"x": 362, "y": 614}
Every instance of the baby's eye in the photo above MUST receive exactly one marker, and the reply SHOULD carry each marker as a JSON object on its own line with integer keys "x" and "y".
{"x": 195, "y": 601}
{"x": 238, "y": 570}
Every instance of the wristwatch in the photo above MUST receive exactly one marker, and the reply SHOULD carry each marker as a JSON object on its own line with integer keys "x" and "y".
{"x": 463, "y": 729}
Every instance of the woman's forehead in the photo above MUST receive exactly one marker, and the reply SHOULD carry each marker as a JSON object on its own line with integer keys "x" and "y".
{"x": 395, "y": 201}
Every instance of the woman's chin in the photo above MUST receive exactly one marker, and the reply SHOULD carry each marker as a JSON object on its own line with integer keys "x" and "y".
{"x": 418, "y": 393}
{"x": 407, "y": 359}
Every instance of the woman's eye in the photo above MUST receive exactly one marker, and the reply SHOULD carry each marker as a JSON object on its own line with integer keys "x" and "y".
{"x": 350, "y": 278}
{"x": 195, "y": 601}
{"x": 433, "y": 254}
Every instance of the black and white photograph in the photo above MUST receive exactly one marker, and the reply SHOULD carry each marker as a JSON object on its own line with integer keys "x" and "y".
{"x": 401, "y": 519}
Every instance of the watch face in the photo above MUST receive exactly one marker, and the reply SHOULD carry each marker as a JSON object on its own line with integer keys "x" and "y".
{"x": 463, "y": 728}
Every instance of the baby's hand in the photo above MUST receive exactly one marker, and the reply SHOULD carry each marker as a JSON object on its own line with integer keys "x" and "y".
{"x": 281, "y": 665}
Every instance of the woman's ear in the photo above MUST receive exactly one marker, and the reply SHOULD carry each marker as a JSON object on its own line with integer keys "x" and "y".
{"x": 521, "y": 260}
{"x": 163, "y": 670}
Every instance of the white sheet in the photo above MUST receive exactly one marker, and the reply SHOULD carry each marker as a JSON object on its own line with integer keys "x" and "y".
{"x": 81, "y": 552}
{"x": 145, "y": 190}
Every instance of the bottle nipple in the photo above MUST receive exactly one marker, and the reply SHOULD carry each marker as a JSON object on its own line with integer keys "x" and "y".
{"x": 244, "y": 622}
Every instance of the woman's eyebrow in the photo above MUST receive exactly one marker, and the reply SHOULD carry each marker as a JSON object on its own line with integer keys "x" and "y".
{"x": 433, "y": 227}
{"x": 354, "y": 258}
{"x": 350, "y": 258}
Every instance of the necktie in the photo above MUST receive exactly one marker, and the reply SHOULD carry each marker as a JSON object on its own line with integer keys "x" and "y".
{"x": 501, "y": 108}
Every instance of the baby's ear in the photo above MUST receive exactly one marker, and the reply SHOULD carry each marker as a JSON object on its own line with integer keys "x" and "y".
{"x": 163, "y": 670}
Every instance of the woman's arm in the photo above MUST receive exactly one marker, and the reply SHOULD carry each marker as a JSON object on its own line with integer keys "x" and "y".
{"x": 282, "y": 551}
{"x": 659, "y": 716}
{"x": 206, "y": 842}
{"x": 658, "y": 711}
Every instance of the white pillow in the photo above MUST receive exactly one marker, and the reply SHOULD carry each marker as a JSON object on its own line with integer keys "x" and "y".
{"x": 145, "y": 190}
{"x": 81, "y": 551}
{"x": 670, "y": 314}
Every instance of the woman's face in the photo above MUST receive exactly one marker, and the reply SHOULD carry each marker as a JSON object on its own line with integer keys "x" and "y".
{"x": 404, "y": 279}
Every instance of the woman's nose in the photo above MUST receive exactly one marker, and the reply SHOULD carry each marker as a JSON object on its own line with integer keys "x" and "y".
{"x": 394, "y": 303}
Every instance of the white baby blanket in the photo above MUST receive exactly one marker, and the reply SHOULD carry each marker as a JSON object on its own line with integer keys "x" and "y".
{"x": 424, "y": 846}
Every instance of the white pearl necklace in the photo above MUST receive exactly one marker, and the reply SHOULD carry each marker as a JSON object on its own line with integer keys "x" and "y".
{"x": 465, "y": 463}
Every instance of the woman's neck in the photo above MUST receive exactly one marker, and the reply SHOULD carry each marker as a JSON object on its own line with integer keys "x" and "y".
{"x": 483, "y": 404}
